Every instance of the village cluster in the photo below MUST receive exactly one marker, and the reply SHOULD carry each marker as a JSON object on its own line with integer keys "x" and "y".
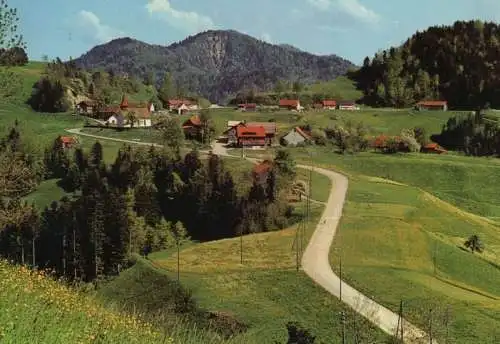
{"x": 238, "y": 133}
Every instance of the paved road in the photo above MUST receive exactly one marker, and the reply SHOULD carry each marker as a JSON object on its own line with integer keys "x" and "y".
{"x": 315, "y": 260}
{"x": 316, "y": 264}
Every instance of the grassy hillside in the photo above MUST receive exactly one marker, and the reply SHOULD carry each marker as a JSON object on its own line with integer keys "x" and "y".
{"x": 36, "y": 309}
{"x": 265, "y": 291}
{"x": 390, "y": 237}
{"x": 341, "y": 88}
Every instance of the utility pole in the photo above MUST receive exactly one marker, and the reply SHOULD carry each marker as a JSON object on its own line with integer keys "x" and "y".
{"x": 297, "y": 247}
{"x": 446, "y": 323}
{"x": 340, "y": 275}
{"x": 342, "y": 318}
{"x": 241, "y": 246}
{"x": 178, "y": 257}
{"x": 434, "y": 257}
{"x": 430, "y": 326}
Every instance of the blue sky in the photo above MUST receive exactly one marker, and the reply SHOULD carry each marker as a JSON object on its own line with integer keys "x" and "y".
{"x": 352, "y": 29}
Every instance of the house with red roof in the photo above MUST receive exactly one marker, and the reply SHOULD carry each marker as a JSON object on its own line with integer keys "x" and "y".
{"x": 260, "y": 172}
{"x": 290, "y": 104}
{"x": 192, "y": 127}
{"x": 67, "y": 141}
{"x": 433, "y": 148}
{"x": 270, "y": 131}
{"x": 248, "y": 135}
{"x": 327, "y": 104}
{"x": 440, "y": 105}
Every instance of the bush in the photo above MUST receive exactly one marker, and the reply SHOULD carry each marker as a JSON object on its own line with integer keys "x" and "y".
{"x": 319, "y": 137}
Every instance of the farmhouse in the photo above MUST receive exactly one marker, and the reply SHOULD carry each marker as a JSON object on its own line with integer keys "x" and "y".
{"x": 328, "y": 104}
{"x": 270, "y": 130}
{"x": 440, "y": 105}
{"x": 247, "y": 135}
{"x": 192, "y": 127}
{"x": 128, "y": 115}
{"x": 86, "y": 107}
{"x": 67, "y": 141}
{"x": 261, "y": 171}
{"x": 247, "y": 107}
{"x": 348, "y": 105}
{"x": 181, "y": 106}
{"x": 290, "y": 104}
{"x": 295, "y": 137}
{"x": 433, "y": 148}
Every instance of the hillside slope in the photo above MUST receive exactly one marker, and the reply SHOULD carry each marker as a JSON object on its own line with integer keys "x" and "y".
{"x": 458, "y": 63}
{"x": 215, "y": 63}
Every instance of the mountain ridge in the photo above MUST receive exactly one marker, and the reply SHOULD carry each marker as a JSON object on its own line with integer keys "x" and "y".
{"x": 215, "y": 63}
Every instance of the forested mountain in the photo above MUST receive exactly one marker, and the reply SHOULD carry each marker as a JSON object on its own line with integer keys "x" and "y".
{"x": 215, "y": 64}
{"x": 458, "y": 63}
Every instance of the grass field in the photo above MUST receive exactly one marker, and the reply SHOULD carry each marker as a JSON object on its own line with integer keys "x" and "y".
{"x": 390, "y": 235}
{"x": 340, "y": 88}
{"x": 265, "y": 291}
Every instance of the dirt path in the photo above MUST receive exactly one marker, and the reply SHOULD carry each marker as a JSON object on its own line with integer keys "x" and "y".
{"x": 315, "y": 260}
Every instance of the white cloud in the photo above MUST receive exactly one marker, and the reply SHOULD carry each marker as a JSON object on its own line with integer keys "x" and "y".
{"x": 352, "y": 8}
{"x": 266, "y": 37}
{"x": 188, "y": 21}
{"x": 93, "y": 26}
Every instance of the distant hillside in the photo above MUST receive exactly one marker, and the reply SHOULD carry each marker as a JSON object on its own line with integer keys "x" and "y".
{"x": 459, "y": 63}
{"x": 215, "y": 64}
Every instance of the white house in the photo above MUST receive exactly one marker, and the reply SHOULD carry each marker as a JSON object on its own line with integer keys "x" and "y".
{"x": 116, "y": 119}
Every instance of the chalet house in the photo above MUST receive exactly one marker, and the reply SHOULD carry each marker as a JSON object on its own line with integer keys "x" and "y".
{"x": 67, "y": 141}
{"x": 295, "y": 137}
{"x": 86, "y": 107}
{"x": 247, "y": 107}
{"x": 118, "y": 115}
{"x": 261, "y": 171}
{"x": 348, "y": 105}
{"x": 329, "y": 104}
{"x": 270, "y": 130}
{"x": 440, "y": 105}
{"x": 290, "y": 104}
{"x": 181, "y": 106}
{"x": 433, "y": 148}
{"x": 247, "y": 136}
{"x": 192, "y": 127}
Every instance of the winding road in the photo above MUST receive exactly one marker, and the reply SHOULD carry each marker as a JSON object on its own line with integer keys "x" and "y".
{"x": 315, "y": 260}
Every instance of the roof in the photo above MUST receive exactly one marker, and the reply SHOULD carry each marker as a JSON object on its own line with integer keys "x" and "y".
{"x": 178, "y": 102}
{"x": 289, "y": 102}
{"x": 263, "y": 167}
{"x": 270, "y": 127}
{"x": 250, "y": 131}
{"x": 67, "y": 139}
{"x": 329, "y": 103}
{"x": 432, "y": 102}
{"x": 302, "y": 133}
{"x": 231, "y": 124}
{"x": 248, "y": 105}
{"x": 111, "y": 109}
{"x": 347, "y": 102}
{"x": 124, "y": 102}
{"x": 193, "y": 121}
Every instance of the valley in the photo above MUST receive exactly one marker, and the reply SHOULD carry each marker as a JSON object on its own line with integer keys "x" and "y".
{"x": 201, "y": 192}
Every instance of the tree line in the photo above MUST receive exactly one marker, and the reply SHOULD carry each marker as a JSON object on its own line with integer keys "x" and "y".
{"x": 474, "y": 134}
{"x": 148, "y": 199}
{"x": 455, "y": 63}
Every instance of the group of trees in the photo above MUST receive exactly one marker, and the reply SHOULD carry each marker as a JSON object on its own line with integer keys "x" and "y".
{"x": 148, "y": 199}
{"x": 474, "y": 134}
{"x": 456, "y": 63}
{"x": 15, "y": 56}
{"x": 61, "y": 81}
